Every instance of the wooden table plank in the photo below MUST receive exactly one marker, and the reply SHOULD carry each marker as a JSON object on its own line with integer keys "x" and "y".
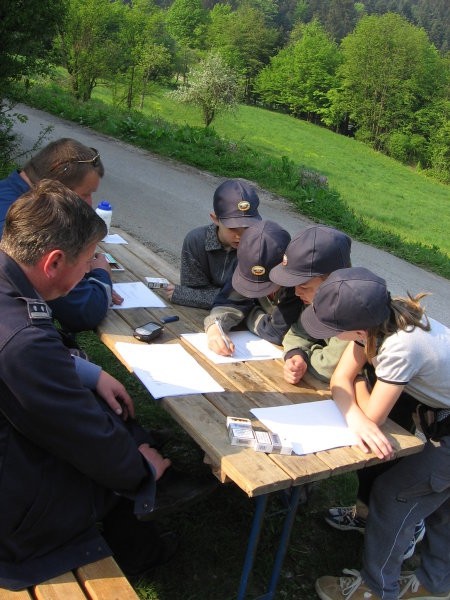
{"x": 254, "y": 472}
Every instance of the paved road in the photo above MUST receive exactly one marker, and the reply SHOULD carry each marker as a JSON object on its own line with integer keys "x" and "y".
{"x": 158, "y": 201}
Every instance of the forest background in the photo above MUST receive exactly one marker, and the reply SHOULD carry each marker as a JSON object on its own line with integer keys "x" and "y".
{"x": 381, "y": 78}
{"x": 374, "y": 71}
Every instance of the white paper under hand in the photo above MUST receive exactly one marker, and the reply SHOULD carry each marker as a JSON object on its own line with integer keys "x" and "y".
{"x": 311, "y": 427}
{"x": 248, "y": 346}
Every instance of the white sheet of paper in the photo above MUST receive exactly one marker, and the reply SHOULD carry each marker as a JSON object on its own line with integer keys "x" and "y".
{"x": 136, "y": 294}
{"x": 167, "y": 369}
{"x": 310, "y": 427}
{"x": 248, "y": 346}
{"x": 114, "y": 238}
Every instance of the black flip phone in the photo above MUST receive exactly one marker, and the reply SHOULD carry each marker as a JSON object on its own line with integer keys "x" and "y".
{"x": 148, "y": 332}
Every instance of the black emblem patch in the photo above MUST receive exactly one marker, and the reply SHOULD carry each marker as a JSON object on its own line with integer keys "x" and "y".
{"x": 38, "y": 310}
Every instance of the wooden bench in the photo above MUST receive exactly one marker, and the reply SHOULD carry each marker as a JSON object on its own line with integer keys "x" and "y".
{"x": 101, "y": 580}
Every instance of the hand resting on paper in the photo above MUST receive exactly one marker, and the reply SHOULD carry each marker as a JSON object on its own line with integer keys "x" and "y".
{"x": 294, "y": 368}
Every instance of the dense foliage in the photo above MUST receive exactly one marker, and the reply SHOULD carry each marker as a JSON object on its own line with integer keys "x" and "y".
{"x": 378, "y": 70}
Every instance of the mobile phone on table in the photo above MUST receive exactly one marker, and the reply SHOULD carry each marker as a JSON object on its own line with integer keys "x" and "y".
{"x": 148, "y": 332}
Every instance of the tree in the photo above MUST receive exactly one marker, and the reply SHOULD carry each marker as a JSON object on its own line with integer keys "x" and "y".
{"x": 213, "y": 86}
{"x": 144, "y": 55}
{"x": 26, "y": 32}
{"x": 243, "y": 39}
{"x": 389, "y": 71}
{"x": 89, "y": 42}
{"x": 300, "y": 75}
{"x": 186, "y": 20}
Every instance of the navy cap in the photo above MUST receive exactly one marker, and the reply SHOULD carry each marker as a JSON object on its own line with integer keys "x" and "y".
{"x": 348, "y": 300}
{"x": 316, "y": 250}
{"x": 260, "y": 248}
{"x": 236, "y": 204}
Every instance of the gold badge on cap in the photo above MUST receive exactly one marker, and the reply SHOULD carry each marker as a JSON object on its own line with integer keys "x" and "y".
{"x": 258, "y": 270}
{"x": 243, "y": 205}
{"x": 284, "y": 262}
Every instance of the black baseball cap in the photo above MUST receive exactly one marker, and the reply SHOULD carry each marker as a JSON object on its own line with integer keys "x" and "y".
{"x": 236, "y": 204}
{"x": 316, "y": 250}
{"x": 260, "y": 248}
{"x": 348, "y": 300}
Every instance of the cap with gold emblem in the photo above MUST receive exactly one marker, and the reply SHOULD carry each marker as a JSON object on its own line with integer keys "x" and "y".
{"x": 236, "y": 204}
{"x": 316, "y": 250}
{"x": 260, "y": 248}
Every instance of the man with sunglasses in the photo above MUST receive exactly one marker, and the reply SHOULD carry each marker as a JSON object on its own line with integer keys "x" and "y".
{"x": 79, "y": 168}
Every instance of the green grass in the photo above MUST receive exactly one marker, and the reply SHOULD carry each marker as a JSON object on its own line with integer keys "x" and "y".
{"x": 369, "y": 196}
{"x": 214, "y": 532}
{"x": 389, "y": 195}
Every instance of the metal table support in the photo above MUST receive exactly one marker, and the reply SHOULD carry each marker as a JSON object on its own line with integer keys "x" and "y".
{"x": 258, "y": 518}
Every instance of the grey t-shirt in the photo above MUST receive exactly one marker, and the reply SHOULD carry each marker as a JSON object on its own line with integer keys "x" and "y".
{"x": 419, "y": 360}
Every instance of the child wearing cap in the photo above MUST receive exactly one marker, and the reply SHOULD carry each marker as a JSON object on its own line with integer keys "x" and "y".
{"x": 208, "y": 255}
{"x": 311, "y": 256}
{"x": 250, "y": 294}
{"x": 410, "y": 353}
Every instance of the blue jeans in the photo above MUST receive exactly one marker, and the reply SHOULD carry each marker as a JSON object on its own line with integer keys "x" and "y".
{"x": 416, "y": 488}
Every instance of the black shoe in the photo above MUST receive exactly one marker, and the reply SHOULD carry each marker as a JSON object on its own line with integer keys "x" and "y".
{"x": 160, "y": 437}
{"x": 176, "y": 490}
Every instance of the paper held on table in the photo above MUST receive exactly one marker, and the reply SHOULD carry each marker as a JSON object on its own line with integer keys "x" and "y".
{"x": 310, "y": 427}
{"x": 248, "y": 346}
{"x": 136, "y": 294}
{"x": 167, "y": 369}
{"x": 114, "y": 238}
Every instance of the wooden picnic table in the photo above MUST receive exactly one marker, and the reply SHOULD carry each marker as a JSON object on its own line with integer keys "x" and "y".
{"x": 247, "y": 385}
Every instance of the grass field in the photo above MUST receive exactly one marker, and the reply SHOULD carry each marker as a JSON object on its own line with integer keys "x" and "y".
{"x": 389, "y": 195}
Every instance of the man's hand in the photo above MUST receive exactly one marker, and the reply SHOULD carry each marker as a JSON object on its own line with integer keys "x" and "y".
{"x": 100, "y": 262}
{"x": 294, "y": 368}
{"x": 115, "y": 395}
{"x": 158, "y": 462}
{"x": 116, "y": 298}
{"x": 217, "y": 343}
{"x": 168, "y": 291}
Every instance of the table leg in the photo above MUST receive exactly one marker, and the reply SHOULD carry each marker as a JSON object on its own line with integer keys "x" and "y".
{"x": 288, "y": 523}
{"x": 284, "y": 542}
{"x": 261, "y": 502}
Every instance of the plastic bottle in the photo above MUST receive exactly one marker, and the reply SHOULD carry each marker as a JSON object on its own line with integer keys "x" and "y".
{"x": 104, "y": 210}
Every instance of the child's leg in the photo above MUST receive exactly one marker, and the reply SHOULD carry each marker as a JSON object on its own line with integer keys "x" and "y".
{"x": 411, "y": 490}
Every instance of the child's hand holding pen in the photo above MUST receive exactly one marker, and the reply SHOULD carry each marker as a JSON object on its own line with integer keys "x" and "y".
{"x": 218, "y": 341}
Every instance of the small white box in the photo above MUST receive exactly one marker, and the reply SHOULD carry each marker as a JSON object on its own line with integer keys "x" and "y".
{"x": 267, "y": 441}
{"x": 157, "y": 282}
{"x": 240, "y": 432}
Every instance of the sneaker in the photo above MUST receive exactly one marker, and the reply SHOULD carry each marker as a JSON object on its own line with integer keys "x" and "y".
{"x": 410, "y": 587}
{"x": 345, "y": 519}
{"x": 419, "y": 532}
{"x": 352, "y": 587}
{"x": 344, "y": 588}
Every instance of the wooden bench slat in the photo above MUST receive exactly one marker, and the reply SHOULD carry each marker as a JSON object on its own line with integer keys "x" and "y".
{"x": 8, "y": 595}
{"x": 103, "y": 580}
{"x": 64, "y": 586}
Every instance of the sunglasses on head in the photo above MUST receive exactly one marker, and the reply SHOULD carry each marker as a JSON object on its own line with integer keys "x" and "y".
{"x": 95, "y": 160}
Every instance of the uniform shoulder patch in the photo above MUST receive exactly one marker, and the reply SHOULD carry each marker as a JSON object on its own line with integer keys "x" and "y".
{"x": 38, "y": 310}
